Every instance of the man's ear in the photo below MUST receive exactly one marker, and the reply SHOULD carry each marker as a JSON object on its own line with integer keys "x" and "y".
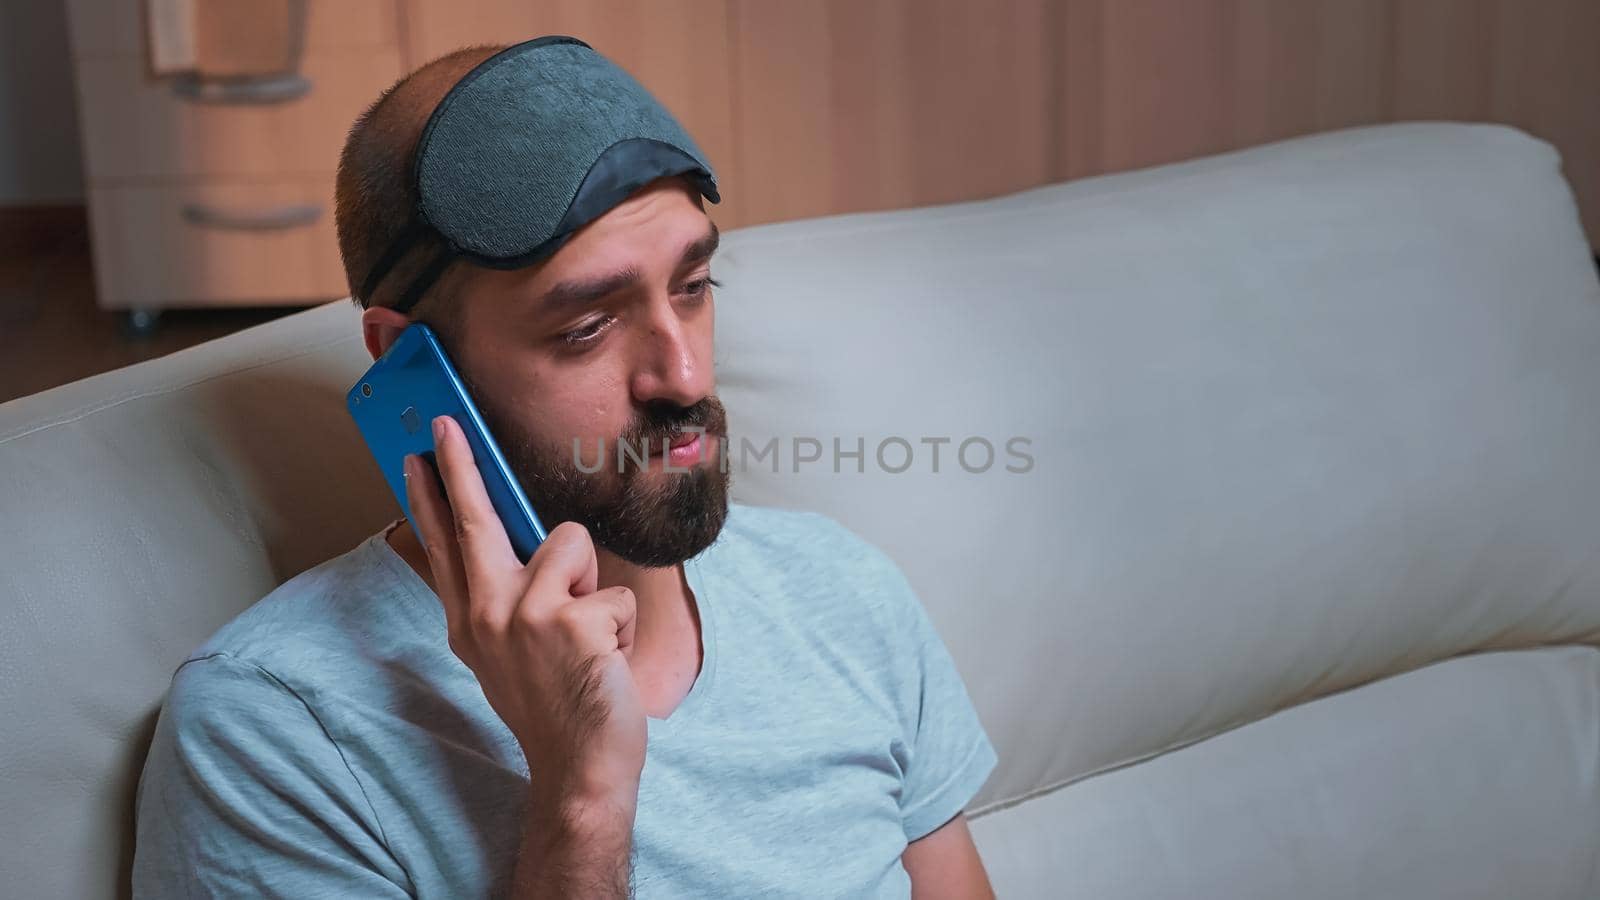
{"x": 380, "y": 325}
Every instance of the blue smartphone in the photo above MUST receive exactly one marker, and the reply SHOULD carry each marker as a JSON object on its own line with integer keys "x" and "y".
{"x": 394, "y": 405}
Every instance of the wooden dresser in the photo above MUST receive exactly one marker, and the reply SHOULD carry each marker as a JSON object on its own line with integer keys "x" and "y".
{"x": 220, "y": 192}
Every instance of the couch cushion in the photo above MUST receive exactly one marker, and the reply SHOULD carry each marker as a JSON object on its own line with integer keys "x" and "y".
{"x": 1477, "y": 778}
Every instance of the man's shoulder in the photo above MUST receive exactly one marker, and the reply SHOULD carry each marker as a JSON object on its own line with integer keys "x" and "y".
{"x": 815, "y": 562}
{"x": 325, "y": 607}
{"x": 793, "y": 537}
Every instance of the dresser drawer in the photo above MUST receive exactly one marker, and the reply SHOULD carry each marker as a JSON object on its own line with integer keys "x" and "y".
{"x": 216, "y": 244}
{"x": 135, "y": 126}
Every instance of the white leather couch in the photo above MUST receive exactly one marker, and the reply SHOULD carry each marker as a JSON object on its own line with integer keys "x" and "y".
{"x": 1300, "y": 597}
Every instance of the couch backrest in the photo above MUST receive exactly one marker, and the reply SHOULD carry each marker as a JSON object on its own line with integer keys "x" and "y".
{"x": 139, "y": 511}
{"x": 1294, "y": 419}
{"x": 1301, "y": 417}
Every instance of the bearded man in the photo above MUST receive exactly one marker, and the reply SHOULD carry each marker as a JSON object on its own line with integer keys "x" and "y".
{"x": 675, "y": 696}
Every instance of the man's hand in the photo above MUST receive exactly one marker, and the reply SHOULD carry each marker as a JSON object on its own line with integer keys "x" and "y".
{"x": 551, "y": 654}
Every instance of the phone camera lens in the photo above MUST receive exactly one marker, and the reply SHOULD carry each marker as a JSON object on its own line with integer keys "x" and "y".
{"x": 366, "y": 390}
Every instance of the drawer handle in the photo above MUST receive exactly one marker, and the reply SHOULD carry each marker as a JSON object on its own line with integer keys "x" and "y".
{"x": 269, "y": 89}
{"x": 278, "y": 217}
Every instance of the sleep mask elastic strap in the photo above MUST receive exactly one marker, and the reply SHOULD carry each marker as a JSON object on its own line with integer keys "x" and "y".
{"x": 404, "y": 241}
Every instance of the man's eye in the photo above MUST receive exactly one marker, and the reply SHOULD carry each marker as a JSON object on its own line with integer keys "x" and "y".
{"x": 699, "y": 286}
{"x": 590, "y": 332}
{"x": 587, "y": 333}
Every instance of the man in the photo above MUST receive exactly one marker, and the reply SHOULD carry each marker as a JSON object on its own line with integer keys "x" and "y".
{"x": 674, "y": 696}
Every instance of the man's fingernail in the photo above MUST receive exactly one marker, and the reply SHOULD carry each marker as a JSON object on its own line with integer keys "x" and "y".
{"x": 438, "y": 429}
{"x": 405, "y": 464}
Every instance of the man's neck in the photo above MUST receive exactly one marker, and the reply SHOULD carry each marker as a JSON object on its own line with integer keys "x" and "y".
{"x": 664, "y": 617}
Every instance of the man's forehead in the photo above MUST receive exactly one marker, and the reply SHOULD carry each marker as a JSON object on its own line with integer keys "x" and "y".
{"x": 595, "y": 276}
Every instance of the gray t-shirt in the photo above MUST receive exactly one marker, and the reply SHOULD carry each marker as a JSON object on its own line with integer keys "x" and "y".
{"x": 328, "y": 743}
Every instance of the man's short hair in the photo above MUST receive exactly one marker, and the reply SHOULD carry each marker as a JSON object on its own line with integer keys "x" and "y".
{"x": 374, "y": 198}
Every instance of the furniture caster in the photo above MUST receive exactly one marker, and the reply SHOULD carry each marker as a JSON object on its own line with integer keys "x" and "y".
{"x": 141, "y": 322}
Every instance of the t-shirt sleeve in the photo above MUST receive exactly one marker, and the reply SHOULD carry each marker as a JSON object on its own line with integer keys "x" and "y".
{"x": 948, "y": 756}
{"x": 244, "y": 794}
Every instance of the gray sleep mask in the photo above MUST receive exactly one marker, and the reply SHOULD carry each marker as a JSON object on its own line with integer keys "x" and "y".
{"x": 531, "y": 145}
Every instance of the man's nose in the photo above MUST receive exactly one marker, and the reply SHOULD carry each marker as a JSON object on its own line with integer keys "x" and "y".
{"x": 668, "y": 359}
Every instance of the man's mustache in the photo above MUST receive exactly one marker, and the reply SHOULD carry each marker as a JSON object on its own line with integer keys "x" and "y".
{"x": 661, "y": 423}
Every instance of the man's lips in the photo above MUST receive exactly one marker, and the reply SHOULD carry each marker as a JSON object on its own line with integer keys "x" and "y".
{"x": 686, "y": 448}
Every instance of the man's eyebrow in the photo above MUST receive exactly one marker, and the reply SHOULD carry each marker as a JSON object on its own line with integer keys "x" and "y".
{"x": 702, "y": 248}
{"x": 583, "y": 292}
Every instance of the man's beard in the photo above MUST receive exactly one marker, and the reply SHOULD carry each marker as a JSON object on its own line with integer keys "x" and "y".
{"x": 651, "y": 519}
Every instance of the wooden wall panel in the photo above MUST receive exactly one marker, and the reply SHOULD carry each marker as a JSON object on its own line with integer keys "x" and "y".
{"x": 1141, "y": 82}
{"x": 1302, "y": 66}
{"x": 1442, "y": 68}
{"x": 850, "y": 105}
{"x": 981, "y": 110}
{"x": 1168, "y": 80}
{"x": 825, "y": 106}
{"x": 1077, "y": 74}
{"x": 1352, "y": 63}
{"x": 781, "y": 60}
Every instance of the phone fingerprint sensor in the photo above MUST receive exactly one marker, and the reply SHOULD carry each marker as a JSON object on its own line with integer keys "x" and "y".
{"x": 411, "y": 420}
